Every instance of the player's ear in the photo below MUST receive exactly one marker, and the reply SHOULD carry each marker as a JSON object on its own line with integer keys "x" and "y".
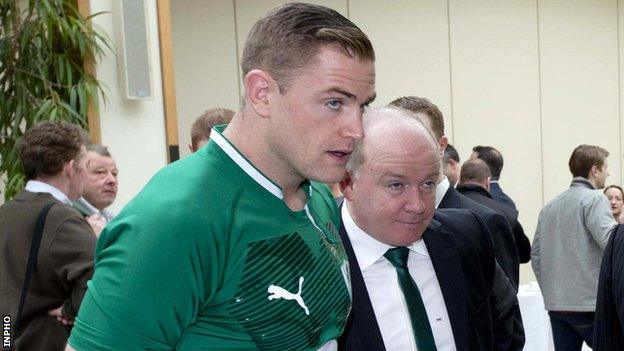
{"x": 258, "y": 86}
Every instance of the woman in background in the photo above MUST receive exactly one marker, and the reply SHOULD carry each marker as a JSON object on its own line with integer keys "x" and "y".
{"x": 615, "y": 194}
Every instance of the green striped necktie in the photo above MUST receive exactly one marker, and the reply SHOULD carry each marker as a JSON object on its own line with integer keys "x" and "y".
{"x": 418, "y": 315}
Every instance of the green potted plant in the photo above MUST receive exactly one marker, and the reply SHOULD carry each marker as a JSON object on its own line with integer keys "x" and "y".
{"x": 43, "y": 48}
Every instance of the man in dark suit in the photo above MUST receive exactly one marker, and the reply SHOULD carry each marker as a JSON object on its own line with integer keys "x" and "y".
{"x": 417, "y": 281}
{"x": 494, "y": 160}
{"x": 475, "y": 183}
{"x": 448, "y": 197}
{"x": 609, "y": 322}
{"x": 52, "y": 155}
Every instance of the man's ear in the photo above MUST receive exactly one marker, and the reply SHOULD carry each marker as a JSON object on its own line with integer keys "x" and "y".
{"x": 191, "y": 148}
{"x": 68, "y": 168}
{"x": 257, "y": 88}
{"x": 593, "y": 171}
{"x": 346, "y": 186}
{"x": 443, "y": 143}
{"x": 487, "y": 183}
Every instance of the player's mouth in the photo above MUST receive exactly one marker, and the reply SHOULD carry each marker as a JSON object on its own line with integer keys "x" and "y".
{"x": 341, "y": 156}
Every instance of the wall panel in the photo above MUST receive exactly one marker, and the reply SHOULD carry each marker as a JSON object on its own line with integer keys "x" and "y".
{"x": 580, "y": 97}
{"x": 134, "y": 130}
{"x": 205, "y": 60}
{"x": 495, "y": 77}
{"x": 411, "y": 43}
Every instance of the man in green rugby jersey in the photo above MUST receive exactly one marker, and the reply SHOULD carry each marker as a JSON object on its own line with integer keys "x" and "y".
{"x": 235, "y": 247}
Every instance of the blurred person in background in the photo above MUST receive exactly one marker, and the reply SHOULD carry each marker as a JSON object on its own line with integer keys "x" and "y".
{"x": 200, "y": 132}
{"x": 451, "y": 164}
{"x": 494, "y": 160}
{"x": 572, "y": 232}
{"x": 615, "y": 195}
{"x": 100, "y": 189}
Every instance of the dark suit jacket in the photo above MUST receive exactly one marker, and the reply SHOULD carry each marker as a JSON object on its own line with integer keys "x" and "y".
{"x": 500, "y": 196}
{"x": 65, "y": 264}
{"x": 609, "y": 325}
{"x": 499, "y": 228}
{"x": 482, "y": 196}
{"x": 481, "y": 303}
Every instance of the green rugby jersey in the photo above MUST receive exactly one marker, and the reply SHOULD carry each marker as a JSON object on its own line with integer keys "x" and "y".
{"x": 209, "y": 257}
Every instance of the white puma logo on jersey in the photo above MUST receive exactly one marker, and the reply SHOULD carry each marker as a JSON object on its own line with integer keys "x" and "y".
{"x": 277, "y": 292}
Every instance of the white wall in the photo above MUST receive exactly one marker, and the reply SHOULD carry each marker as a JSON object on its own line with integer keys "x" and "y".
{"x": 134, "y": 131}
{"x": 204, "y": 51}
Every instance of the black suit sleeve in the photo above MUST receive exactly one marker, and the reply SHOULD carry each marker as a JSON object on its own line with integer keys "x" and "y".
{"x": 608, "y": 331}
{"x": 522, "y": 243}
{"x": 507, "y": 328}
{"x": 504, "y": 246}
{"x": 506, "y": 319}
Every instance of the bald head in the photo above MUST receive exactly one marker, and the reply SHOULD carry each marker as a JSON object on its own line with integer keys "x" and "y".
{"x": 390, "y": 127}
{"x": 390, "y": 186}
{"x": 475, "y": 172}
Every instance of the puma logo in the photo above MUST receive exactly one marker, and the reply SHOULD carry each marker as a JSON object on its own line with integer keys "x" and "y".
{"x": 277, "y": 292}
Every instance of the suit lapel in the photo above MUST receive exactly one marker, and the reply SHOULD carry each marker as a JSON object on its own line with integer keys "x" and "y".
{"x": 451, "y": 199}
{"x": 362, "y": 328}
{"x": 447, "y": 265}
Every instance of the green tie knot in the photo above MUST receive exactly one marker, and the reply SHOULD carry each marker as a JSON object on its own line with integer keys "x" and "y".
{"x": 398, "y": 256}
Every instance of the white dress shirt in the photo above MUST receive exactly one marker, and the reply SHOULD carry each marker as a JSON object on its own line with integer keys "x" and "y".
{"x": 35, "y": 186}
{"x": 385, "y": 293}
{"x": 441, "y": 190}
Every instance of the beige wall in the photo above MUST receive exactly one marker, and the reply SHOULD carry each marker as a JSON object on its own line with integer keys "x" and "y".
{"x": 134, "y": 130}
{"x": 532, "y": 78}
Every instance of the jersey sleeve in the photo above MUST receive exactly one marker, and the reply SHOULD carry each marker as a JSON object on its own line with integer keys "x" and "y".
{"x": 150, "y": 281}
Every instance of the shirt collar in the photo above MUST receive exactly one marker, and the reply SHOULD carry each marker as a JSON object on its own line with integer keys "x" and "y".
{"x": 582, "y": 181}
{"x": 108, "y": 215}
{"x": 367, "y": 249}
{"x": 35, "y": 186}
{"x": 441, "y": 190}
{"x": 243, "y": 163}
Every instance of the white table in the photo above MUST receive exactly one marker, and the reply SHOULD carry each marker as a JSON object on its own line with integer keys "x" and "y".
{"x": 535, "y": 319}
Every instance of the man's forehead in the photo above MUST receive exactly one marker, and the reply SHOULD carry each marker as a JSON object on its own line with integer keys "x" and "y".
{"x": 96, "y": 159}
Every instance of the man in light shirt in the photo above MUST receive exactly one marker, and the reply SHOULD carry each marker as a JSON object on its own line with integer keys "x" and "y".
{"x": 461, "y": 299}
{"x": 53, "y": 159}
{"x": 571, "y": 234}
{"x": 100, "y": 189}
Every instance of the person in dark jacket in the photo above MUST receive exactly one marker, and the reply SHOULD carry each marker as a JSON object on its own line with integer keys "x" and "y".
{"x": 494, "y": 160}
{"x": 474, "y": 182}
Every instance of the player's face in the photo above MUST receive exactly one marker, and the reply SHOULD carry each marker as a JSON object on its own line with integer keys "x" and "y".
{"x": 101, "y": 180}
{"x": 392, "y": 194}
{"x": 318, "y": 119}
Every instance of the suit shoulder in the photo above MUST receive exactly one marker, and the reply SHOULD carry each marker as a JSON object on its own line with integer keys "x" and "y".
{"x": 469, "y": 232}
{"x": 461, "y": 222}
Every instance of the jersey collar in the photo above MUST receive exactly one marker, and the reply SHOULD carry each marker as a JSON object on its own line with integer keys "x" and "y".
{"x": 227, "y": 147}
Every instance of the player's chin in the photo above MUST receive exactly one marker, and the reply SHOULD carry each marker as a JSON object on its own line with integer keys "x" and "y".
{"x": 328, "y": 174}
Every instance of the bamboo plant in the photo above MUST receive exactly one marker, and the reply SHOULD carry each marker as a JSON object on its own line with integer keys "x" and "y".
{"x": 43, "y": 48}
